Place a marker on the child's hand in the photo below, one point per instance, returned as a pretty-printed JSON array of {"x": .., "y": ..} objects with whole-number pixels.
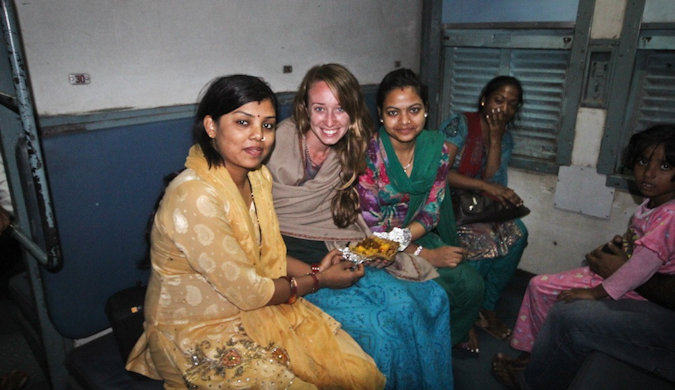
[{"x": 592, "y": 294}]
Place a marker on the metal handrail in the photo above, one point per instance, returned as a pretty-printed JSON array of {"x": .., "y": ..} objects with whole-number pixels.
[
  {"x": 9, "y": 101},
  {"x": 51, "y": 259},
  {"x": 27, "y": 243}
]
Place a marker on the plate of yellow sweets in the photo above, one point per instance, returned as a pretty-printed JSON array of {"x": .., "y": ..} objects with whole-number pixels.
[
  {"x": 379, "y": 246},
  {"x": 374, "y": 247}
]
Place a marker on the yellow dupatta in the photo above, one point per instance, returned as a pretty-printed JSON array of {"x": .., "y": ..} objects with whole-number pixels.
[{"x": 310, "y": 337}]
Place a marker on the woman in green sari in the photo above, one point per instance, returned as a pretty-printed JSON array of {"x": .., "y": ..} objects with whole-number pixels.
[{"x": 405, "y": 186}]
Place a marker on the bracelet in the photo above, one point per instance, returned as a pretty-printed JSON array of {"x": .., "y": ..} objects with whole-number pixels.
[
  {"x": 315, "y": 286},
  {"x": 315, "y": 268},
  {"x": 293, "y": 284},
  {"x": 418, "y": 250}
]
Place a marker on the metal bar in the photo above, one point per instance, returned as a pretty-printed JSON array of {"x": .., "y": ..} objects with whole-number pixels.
[
  {"x": 575, "y": 75},
  {"x": 510, "y": 25},
  {"x": 27, "y": 243},
  {"x": 616, "y": 134},
  {"x": 25, "y": 105},
  {"x": 9, "y": 101},
  {"x": 431, "y": 57}
]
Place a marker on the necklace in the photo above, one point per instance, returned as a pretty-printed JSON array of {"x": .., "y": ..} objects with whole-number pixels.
[
  {"x": 407, "y": 166},
  {"x": 309, "y": 156}
]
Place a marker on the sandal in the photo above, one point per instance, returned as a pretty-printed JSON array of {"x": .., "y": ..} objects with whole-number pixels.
[
  {"x": 505, "y": 372},
  {"x": 518, "y": 363},
  {"x": 14, "y": 380},
  {"x": 488, "y": 321}
]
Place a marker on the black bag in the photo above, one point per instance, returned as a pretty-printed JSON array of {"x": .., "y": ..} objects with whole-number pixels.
[
  {"x": 125, "y": 313},
  {"x": 471, "y": 206}
]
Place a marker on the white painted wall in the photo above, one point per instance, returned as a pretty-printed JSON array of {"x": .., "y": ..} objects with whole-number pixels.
[
  {"x": 559, "y": 239},
  {"x": 152, "y": 53}
]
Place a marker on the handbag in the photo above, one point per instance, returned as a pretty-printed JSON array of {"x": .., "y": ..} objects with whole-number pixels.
[
  {"x": 125, "y": 313},
  {"x": 471, "y": 206}
]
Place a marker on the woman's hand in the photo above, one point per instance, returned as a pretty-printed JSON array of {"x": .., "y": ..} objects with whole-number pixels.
[
  {"x": 445, "y": 256},
  {"x": 503, "y": 194},
  {"x": 341, "y": 275},
  {"x": 333, "y": 257},
  {"x": 379, "y": 263},
  {"x": 496, "y": 121}
]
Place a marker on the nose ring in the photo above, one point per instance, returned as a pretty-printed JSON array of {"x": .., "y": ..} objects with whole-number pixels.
[{"x": 262, "y": 139}]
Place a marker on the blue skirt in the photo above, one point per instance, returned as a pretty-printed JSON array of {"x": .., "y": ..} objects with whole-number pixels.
[{"x": 403, "y": 325}]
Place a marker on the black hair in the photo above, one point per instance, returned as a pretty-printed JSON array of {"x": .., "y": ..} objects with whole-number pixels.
[
  {"x": 663, "y": 134},
  {"x": 493, "y": 85},
  {"x": 222, "y": 96},
  {"x": 401, "y": 78}
]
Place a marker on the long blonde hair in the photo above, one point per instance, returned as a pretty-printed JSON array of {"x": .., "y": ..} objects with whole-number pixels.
[{"x": 351, "y": 149}]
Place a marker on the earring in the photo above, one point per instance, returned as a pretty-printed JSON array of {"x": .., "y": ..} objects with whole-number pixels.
[
  {"x": 426, "y": 115},
  {"x": 482, "y": 103},
  {"x": 381, "y": 120}
]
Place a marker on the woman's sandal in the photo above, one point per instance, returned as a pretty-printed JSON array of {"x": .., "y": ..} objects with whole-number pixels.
[
  {"x": 488, "y": 321},
  {"x": 14, "y": 380},
  {"x": 506, "y": 369}
]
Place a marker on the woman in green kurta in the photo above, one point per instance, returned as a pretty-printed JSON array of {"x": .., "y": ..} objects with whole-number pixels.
[{"x": 412, "y": 195}]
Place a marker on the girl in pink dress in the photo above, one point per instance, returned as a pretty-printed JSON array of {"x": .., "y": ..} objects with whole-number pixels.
[{"x": 649, "y": 244}]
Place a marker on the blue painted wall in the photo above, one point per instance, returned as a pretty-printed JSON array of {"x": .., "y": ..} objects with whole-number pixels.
[
  {"x": 104, "y": 185},
  {"x": 505, "y": 11}
]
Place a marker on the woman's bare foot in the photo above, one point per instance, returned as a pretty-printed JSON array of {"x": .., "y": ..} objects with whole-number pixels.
[
  {"x": 472, "y": 345},
  {"x": 488, "y": 321}
]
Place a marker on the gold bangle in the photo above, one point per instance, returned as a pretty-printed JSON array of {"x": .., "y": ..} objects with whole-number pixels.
[{"x": 293, "y": 284}]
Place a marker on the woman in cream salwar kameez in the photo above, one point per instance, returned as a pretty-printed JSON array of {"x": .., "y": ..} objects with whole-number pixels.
[{"x": 224, "y": 306}]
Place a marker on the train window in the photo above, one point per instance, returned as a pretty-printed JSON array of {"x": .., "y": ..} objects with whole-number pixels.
[
  {"x": 538, "y": 58},
  {"x": 650, "y": 99}
]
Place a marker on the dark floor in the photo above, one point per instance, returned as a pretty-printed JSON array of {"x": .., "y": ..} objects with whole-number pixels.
[
  {"x": 470, "y": 373},
  {"x": 474, "y": 373},
  {"x": 15, "y": 353}
]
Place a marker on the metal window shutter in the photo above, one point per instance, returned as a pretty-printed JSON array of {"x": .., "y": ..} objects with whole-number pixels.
[
  {"x": 656, "y": 98},
  {"x": 542, "y": 73},
  {"x": 469, "y": 70}
]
